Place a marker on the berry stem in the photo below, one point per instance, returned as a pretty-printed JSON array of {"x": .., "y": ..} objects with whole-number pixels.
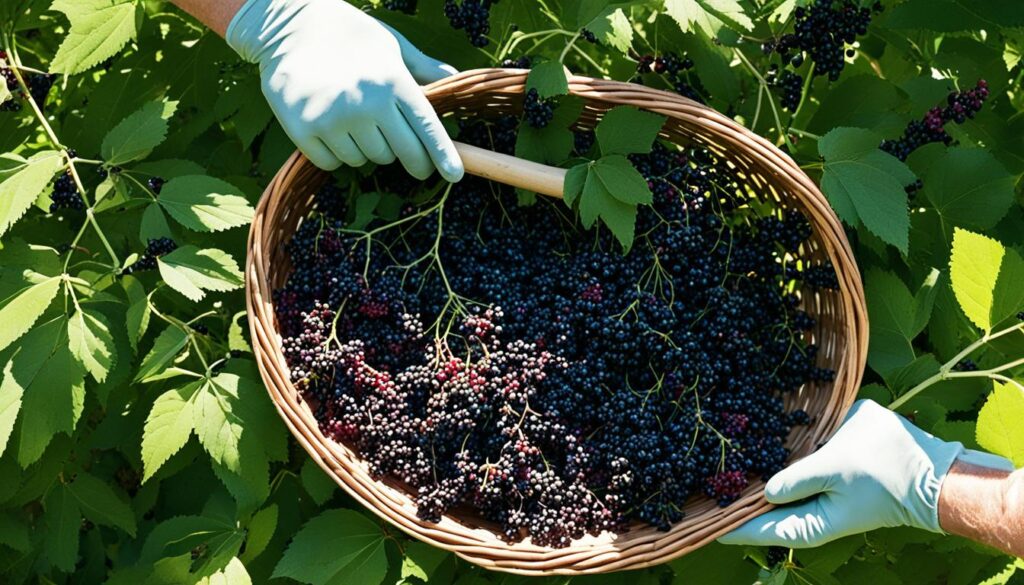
[
  {"x": 946, "y": 370},
  {"x": 12, "y": 53},
  {"x": 783, "y": 137}
]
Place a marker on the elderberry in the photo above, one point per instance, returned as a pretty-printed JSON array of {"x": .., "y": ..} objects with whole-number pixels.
[{"x": 65, "y": 193}]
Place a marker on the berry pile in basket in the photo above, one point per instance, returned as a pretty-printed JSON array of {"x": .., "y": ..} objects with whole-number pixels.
[{"x": 501, "y": 359}]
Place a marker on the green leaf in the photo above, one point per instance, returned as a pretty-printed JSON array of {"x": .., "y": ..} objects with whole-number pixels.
[
  {"x": 24, "y": 308},
  {"x": 999, "y": 422},
  {"x": 365, "y": 205},
  {"x": 969, "y": 188},
  {"x": 205, "y": 204},
  {"x": 168, "y": 427},
  {"x": 612, "y": 27},
  {"x": 317, "y": 484},
  {"x": 166, "y": 347},
  {"x": 575, "y": 179},
  {"x": 100, "y": 504},
  {"x": 91, "y": 342},
  {"x": 259, "y": 532},
  {"x": 708, "y": 16},
  {"x": 549, "y": 144},
  {"x": 52, "y": 404},
  {"x": 138, "y": 313},
  {"x": 986, "y": 278},
  {"x": 861, "y": 101},
  {"x": 21, "y": 370},
  {"x": 627, "y": 130},
  {"x": 190, "y": 271},
  {"x": 955, "y": 15},
  {"x": 154, "y": 224},
  {"x": 891, "y": 313},
  {"x": 13, "y": 533},
  {"x": 622, "y": 181},
  {"x": 866, "y": 185},
  {"x": 177, "y": 536},
  {"x": 19, "y": 191},
  {"x": 217, "y": 425},
  {"x": 5, "y": 94},
  {"x": 338, "y": 547},
  {"x": 597, "y": 202},
  {"x": 63, "y": 522},
  {"x": 138, "y": 134},
  {"x": 421, "y": 560},
  {"x": 548, "y": 78},
  {"x": 99, "y": 30},
  {"x": 232, "y": 574},
  {"x": 924, "y": 301}
]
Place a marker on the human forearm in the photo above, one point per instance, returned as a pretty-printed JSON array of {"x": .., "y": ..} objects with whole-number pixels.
[
  {"x": 216, "y": 14},
  {"x": 984, "y": 504}
]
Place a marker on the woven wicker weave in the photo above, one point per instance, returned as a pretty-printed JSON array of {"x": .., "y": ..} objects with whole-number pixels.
[{"x": 841, "y": 330}]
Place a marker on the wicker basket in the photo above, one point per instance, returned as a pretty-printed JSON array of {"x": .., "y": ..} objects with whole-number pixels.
[{"x": 841, "y": 330}]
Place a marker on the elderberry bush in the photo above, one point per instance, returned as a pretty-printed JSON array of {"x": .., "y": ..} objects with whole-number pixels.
[{"x": 501, "y": 359}]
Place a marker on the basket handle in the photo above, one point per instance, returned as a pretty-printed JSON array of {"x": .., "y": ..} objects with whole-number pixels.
[{"x": 513, "y": 171}]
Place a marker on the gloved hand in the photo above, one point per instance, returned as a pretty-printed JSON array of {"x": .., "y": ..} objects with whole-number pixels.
[
  {"x": 344, "y": 85},
  {"x": 878, "y": 471}
]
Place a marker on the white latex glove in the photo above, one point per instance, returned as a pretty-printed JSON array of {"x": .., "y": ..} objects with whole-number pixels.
[
  {"x": 345, "y": 86},
  {"x": 878, "y": 471}
]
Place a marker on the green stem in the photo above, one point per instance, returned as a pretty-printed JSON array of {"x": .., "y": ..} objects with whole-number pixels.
[
  {"x": 771, "y": 101},
  {"x": 946, "y": 370},
  {"x": 804, "y": 134}
]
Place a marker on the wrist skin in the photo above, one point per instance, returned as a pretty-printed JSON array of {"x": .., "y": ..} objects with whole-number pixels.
[
  {"x": 216, "y": 14},
  {"x": 985, "y": 505}
]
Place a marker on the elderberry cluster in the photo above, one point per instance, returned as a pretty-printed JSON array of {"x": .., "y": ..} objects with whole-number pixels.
[
  {"x": 822, "y": 32},
  {"x": 155, "y": 248},
  {"x": 536, "y": 111},
  {"x": 502, "y": 359},
  {"x": 65, "y": 193},
  {"x": 960, "y": 105},
  {"x": 472, "y": 16},
  {"x": 39, "y": 85},
  {"x": 674, "y": 68}
]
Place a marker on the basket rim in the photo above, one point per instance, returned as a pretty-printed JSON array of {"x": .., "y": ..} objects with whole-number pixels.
[{"x": 629, "y": 550}]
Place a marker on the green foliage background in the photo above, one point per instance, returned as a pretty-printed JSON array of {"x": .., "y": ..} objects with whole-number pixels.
[{"x": 135, "y": 449}]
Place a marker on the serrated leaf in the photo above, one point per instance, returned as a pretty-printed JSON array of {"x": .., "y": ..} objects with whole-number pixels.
[
  {"x": 550, "y": 144},
  {"x": 597, "y": 202},
  {"x": 708, "y": 16},
  {"x": 969, "y": 188},
  {"x": 217, "y": 425},
  {"x": 999, "y": 422},
  {"x": 259, "y": 532},
  {"x": 627, "y": 130},
  {"x": 19, "y": 191},
  {"x": 190, "y": 271},
  {"x": 63, "y": 522},
  {"x": 317, "y": 484},
  {"x": 548, "y": 78},
  {"x": 575, "y": 179},
  {"x": 986, "y": 278},
  {"x": 91, "y": 343},
  {"x": 612, "y": 27},
  {"x": 100, "y": 504},
  {"x": 955, "y": 15},
  {"x": 24, "y": 308},
  {"x": 338, "y": 547},
  {"x": 166, "y": 347},
  {"x": 168, "y": 427},
  {"x": 154, "y": 224},
  {"x": 52, "y": 404},
  {"x": 138, "y": 134},
  {"x": 21, "y": 370},
  {"x": 99, "y": 30},
  {"x": 176, "y": 536},
  {"x": 232, "y": 574},
  {"x": 13, "y": 533},
  {"x": 622, "y": 181},
  {"x": 891, "y": 314},
  {"x": 866, "y": 185},
  {"x": 205, "y": 204},
  {"x": 421, "y": 560},
  {"x": 137, "y": 316}
]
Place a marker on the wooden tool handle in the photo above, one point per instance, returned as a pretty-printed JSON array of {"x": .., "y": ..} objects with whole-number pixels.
[{"x": 511, "y": 170}]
